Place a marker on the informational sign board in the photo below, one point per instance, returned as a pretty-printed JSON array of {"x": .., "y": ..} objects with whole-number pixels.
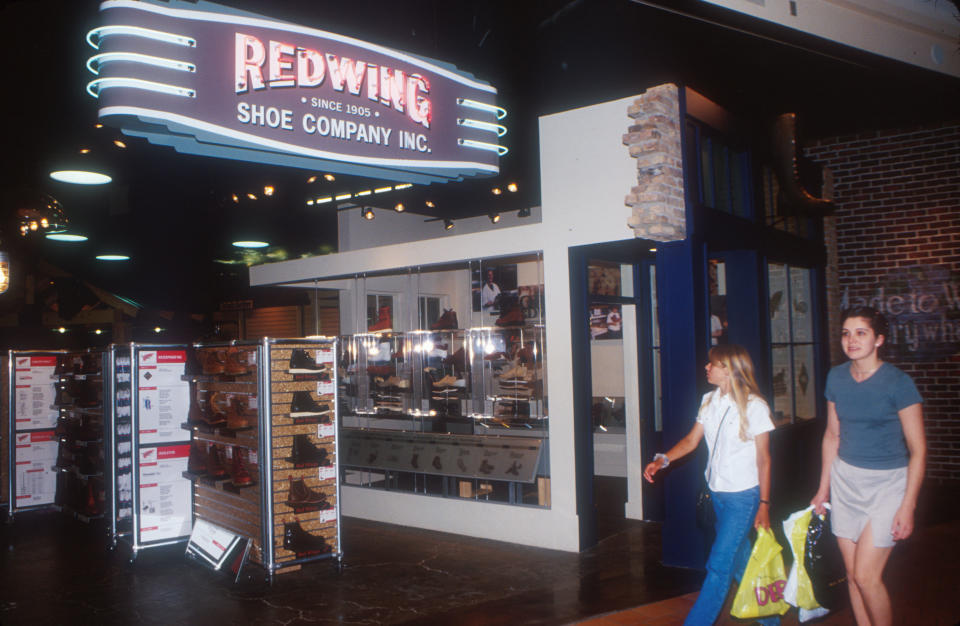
[
  {"x": 35, "y": 455},
  {"x": 35, "y": 392},
  {"x": 165, "y": 495},
  {"x": 212, "y": 80},
  {"x": 163, "y": 396},
  {"x": 215, "y": 546}
]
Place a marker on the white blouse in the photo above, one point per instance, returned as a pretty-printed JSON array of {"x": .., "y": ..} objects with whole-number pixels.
[{"x": 732, "y": 463}]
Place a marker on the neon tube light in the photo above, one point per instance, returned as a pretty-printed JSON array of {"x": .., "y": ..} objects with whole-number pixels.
[
  {"x": 96, "y": 86},
  {"x": 482, "y": 145},
  {"x": 134, "y": 57},
  {"x": 138, "y": 31},
  {"x": 483, "y": 106},
  {"x": 487, "y": 126}
]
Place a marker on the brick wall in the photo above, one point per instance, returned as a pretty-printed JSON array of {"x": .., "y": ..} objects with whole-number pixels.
[
  {"x": 898, "y": 199},
  {"x": 659, "y": 211}
]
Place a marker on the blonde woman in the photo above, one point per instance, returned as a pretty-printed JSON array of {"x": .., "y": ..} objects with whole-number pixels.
[{"x": 735, "y": 421}]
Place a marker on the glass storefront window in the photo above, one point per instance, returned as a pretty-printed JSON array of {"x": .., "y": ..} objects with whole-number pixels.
[{"x": 792, "y": 345}]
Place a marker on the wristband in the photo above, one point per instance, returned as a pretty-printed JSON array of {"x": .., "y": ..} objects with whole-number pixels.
[
  {"x": 767, "y": 502},
  {"x": 660, "y": 455}
]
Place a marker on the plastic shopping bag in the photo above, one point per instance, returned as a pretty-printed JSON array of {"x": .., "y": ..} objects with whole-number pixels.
[
  {"x": 799, "y": 590},
  {"x": 824, "y": 563},
  {"x": 761, "y": 589}
]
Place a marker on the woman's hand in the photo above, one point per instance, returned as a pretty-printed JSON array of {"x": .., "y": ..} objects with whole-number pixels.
[
  {"x": 763, "y": 516},
  {"x": 818, "y": 500},
  {"x": 902, "y": 523},
  {"x": 652, "y": 468}
]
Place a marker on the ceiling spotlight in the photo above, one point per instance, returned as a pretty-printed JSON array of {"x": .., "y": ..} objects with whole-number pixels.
[
  {"x": 235, "y": 198},
  {"x": 119, "y": 143},
  {"x": 430, "y": 204},
  {"x": 80, "y": 177},
  {"x": 251, "y": 196},
  {"x": 653, "y": 249},
  {"x": 310, "y": 202},
  {"x": 496, "y": 191},
  {"x": 312, "y": 179},
  {"x": 512, "y": 187},
  {"x": 494, "y": 218},
  {"x": 65, "y": 237},
  {"x": 368, "y": 214},
  {"x": 329, "y": 177},
  {"x": 524, "y": 212},
  {"x": 268, "y": 190},
  {"x": 98, "y": 125},
  {"x": 113, "y": 257},
  {"x": 399, "y": 208},
  {"x": 84, "y": 150},
  {"x": 447, "y": 224},
  {"x": 250, "y": 243}
]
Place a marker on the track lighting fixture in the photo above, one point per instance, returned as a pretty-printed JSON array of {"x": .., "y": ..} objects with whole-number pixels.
[
  {"x": 494, "y": 218},
  {"x": 447, "y": 224},
  {"x": 399, "y": 208},
  {"x": 368, "y": 214},
  {"x": 524, "y": 212}
]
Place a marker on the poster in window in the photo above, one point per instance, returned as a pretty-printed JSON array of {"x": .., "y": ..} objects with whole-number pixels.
[
  {"x": 494, "y": 288},
  {"x": 803, "y": 383},
  {"x": 604, "y": 280},
  {"x": 606, "y": 321},
  {"x": 800, "y": 314},
  {"x": 782, "y": 386},
  {"x": 779, "y": 303}
]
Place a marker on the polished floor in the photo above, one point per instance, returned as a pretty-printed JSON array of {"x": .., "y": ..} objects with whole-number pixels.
[{"x": 56, "y": 570}]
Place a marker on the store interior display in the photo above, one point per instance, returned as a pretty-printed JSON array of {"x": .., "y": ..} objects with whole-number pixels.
[
  {"x": 443, "y": 409},
  {"x": 80, "y": 434},
  {"x": 263, "y": 449}
]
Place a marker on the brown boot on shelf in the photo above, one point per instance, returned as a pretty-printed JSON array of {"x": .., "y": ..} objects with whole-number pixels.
[
  {"x": 195, "y": 414},
  {"x": 215, "y": 468},
  {"x": 511, "y": 317},
  {"x": 297, "y": 540},
  {"x": 240, "y": 417},
  {"x": 240, "y": 477},
  {"x": 447, "y": 321},
  {"x": 384, "y": 322},
  {"x": 302, "y": 495},
  {"x": 213, "y": 361},
  {"x": 197, "y": 463},
  {"x": 236, "y": 362}
]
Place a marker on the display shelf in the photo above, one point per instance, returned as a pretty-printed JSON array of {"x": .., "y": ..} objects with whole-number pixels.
[{"x": 292, "y": 385}]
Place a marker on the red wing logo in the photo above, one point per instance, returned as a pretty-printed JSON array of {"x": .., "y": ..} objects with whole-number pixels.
[{"x": 148, "y": 357}]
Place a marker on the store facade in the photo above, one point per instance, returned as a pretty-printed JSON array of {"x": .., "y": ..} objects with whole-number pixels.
[{"x": 623, "y": 234}]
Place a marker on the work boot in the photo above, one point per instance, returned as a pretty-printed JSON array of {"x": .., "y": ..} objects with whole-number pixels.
[
  {"x": 303, "y": 363},
  {"x": 197, "y": 463},
  {"x": 511, "y": 317},
  {"x": 303, "y": 405},
  {"x": 215, "y": 468},
  {"x": 214, "y": 361},
  {"x": 297, "y": 540},
  {"x": 447, "y": 321},
  {"x": 240, "y": 417},
  {"x": 302, "y": 495},
  {"x": 383, "y": 322},
  {"x": 304, "y": 452},
  {"x": 240, "y": 477},
  {"x": 237, "y": 362}
]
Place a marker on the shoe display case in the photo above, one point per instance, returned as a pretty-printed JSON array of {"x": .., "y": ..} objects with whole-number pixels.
[
  {"x": 146, "y": 446},
  {"x": 80, "y": 431},
  {"x": 447, "y": 411},
  {"x": 263, "y": 452},
  {"x": 32, "y": 417}
]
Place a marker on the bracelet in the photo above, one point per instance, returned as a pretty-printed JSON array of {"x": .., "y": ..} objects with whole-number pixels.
[
  {"x": 767, "y": 502},
  {"x": 660, "y": 455}
]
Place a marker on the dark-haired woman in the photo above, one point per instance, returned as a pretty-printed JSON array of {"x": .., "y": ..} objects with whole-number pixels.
[
  {"x": 874, "y": 454},
  {"x": 735, "y": 421}
]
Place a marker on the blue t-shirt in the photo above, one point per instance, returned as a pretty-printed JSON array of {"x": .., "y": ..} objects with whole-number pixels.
[{"x": 870, "y": 432}]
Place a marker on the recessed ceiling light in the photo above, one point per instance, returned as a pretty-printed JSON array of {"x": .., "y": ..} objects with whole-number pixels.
[
  {"x": 268, "y": 190},
  {"x": 113, "y": 257},
  {"x": 496, "y": 191},
  {"x": 312, "y": 179},
  {"x": 80, "y": 177},
  {"x": 512, "y": 187},
  {"x": 430, "y": 203},
  {"x": 250, "y": 244},
  {"x": 329, "y": 177},
  {"x": 251, "y": 196},
  {"x": 235, "y": 198},
  {"x": 66, "y": 237},
  {"x": 399, "y": 208},
  {"x": 119, "y": 143}
]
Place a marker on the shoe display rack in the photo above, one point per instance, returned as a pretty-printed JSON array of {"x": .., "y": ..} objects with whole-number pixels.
[
  {"x": 147, "y": 449},
  {"x": 80, "y": 434},
  {"x": 30, "y": 434},
  {"x": 263, "y": 455},
  {"x": 466, "y": 405}
]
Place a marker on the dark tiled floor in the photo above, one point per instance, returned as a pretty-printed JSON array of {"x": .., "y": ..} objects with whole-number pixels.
[{"x": 55, "y": 570}]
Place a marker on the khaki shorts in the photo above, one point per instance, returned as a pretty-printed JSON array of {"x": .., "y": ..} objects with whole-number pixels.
[{"x": 860, "y": 496}]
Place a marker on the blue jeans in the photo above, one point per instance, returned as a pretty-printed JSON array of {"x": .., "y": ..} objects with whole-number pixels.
[{"x": 729, "y": 554}]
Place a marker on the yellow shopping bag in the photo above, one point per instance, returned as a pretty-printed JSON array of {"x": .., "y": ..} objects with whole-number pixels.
[{"x": 761, "y": 589}]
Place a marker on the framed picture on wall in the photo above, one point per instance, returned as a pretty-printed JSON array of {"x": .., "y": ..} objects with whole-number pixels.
[{"x": 494, "y": 286}]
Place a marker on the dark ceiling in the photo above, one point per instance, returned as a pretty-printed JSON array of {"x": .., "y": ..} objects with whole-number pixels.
[{"x": 174, "y": 215}]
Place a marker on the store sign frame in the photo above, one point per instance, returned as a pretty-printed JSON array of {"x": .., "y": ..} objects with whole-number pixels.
[{"x": 211, "y": 80}]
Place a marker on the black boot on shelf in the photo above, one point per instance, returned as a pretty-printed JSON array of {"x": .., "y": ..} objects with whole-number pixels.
[
  {"x": 297, "y": 540},
  {"x": 303, "y": 363},
  {"x": 303, "y": 405},
  {"x": 305, "y": 453}
]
